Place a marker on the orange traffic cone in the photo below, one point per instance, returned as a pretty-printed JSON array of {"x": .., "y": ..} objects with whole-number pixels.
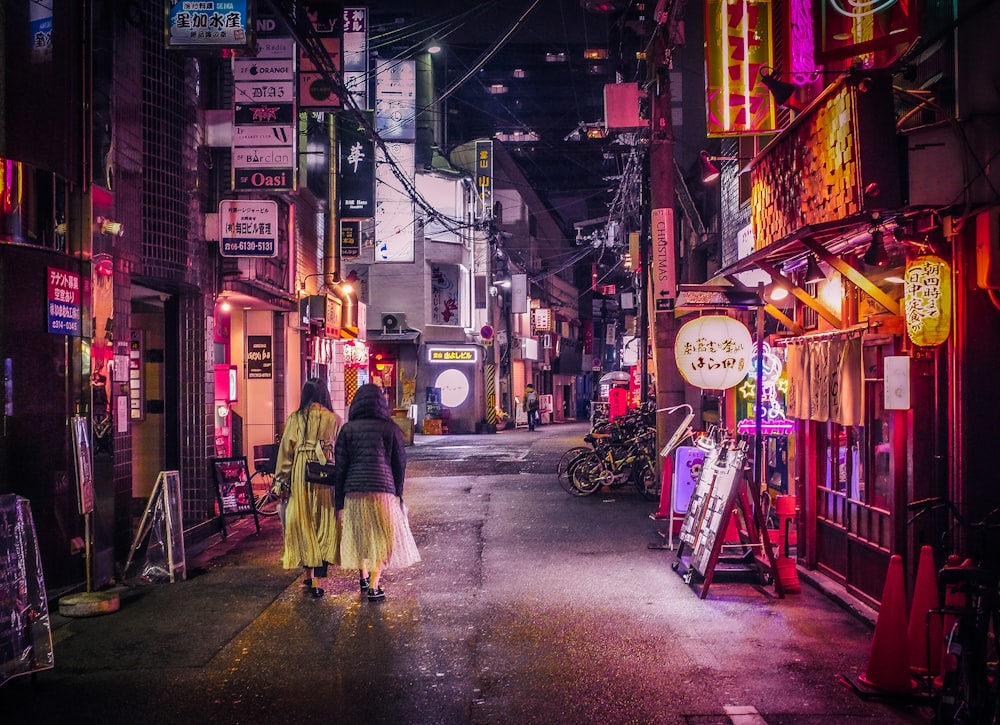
[
  {"x": 924, "y": 632},
  {"x": 889, "y": 660}
]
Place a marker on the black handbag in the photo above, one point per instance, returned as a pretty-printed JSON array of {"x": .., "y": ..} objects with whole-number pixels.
[{"x": 323, "y": 473}]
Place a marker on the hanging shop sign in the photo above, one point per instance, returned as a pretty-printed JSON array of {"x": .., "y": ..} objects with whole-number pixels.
[
  {"x": 355, "y": 54},
  {"x": 248, "y": 228},
  {"x": 350, "y": 239},
  {"x": 542, "y": 320},
  {"x": 264, "y": 117},
  {"x": 484, "y": 177},
  {"x": 63, "y": 301},
  {"x": 714, "y": 352},
  {"x": 315, "y": 88},
  {"x": 355, "y": 169},
  {"x": 259, "y": 357},
  {"x": 395, "y": 100},
  {"x": 927, "y": 300},
  {"x": 208, "y": 24},
  {"x": 738, "y": 45}
]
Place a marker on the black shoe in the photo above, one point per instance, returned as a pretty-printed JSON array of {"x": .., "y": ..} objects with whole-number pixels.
[
  {"x": 363, "y": 582},
  {"x": 316, "y": 592},
  {"x": 376, "y": 595},
  {"x": 307, "y": 582}
]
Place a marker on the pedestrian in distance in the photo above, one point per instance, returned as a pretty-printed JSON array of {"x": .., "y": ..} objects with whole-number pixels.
[
  {"x": 531, "y": 405},
  {"x": 371, "y": 466},
  {"x": 311, "y": 530}
]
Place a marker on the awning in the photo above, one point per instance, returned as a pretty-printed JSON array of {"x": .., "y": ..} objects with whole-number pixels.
[
  {"x": 826, "y": 243},
  {"x": 616, "y": 376}
]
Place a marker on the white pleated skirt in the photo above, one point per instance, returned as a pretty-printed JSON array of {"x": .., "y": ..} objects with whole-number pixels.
[{"x": 376, "y": 530}]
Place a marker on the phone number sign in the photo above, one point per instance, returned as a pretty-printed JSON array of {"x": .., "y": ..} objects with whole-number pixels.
[
  {"x": 248, "y": 228},
  {"x": 64, "y": 301}
]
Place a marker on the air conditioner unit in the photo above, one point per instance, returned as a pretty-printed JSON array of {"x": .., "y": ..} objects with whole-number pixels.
[{"x": 394, "y": 322}]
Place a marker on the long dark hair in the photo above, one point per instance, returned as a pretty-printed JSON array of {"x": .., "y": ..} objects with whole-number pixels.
[{"x": 314, "y": 391}]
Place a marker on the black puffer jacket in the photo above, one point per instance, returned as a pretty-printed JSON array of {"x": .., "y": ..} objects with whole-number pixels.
[{"x": 369, "y": 451}]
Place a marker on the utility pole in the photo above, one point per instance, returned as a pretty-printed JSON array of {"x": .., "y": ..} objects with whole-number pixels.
[{"x": 662, "y": 289}]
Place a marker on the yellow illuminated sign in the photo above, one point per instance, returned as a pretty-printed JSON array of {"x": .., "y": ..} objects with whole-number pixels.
[{"x": 452, "y": 355}]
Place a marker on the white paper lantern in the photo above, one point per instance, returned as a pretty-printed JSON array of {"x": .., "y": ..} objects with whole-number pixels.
[{"x": 714, "y": 352}]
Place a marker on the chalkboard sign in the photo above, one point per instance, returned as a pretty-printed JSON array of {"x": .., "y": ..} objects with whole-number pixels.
[
  {"x": 25, "y": 631},
  {"x": 232, "y": 486}
]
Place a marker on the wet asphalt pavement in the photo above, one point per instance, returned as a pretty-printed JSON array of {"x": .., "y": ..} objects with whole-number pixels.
[{"x": 530, "y": 606}]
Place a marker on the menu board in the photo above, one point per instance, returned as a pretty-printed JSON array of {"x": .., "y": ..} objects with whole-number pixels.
[
  {"x": 25, "y": 631},
  {"x": 233, "y": 489},
  {"x": 232, "y": 478}
]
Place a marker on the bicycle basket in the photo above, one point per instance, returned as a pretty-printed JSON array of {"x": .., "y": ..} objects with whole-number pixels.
[{"x": 265, "y": 457}]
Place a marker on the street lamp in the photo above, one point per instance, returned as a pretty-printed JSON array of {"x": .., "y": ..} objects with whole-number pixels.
[{"x": 710, "y": 172}]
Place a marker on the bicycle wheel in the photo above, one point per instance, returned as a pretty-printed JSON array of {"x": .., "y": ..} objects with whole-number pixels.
[
  {"x": 965, "y": 697},
  {"x": 587, "y": 473},
  {"x": 568, "y": 460},
  {"x": 264, "y": 500},
  {"x": 645, "y": 481}
]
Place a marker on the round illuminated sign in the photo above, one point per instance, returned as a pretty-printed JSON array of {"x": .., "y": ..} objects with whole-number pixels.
[
  {"x": 454, "y": 387},
  {"x": 714, "y": 352}
]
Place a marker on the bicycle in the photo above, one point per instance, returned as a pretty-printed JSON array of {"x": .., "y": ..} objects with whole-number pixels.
[
  {"x": 970, "y": 682},
  {"x": 265, "y": 500},
  {"x": 562, "y": 469}
]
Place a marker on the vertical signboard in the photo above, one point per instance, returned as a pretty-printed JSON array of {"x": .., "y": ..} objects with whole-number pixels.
[
  {"x": 664, "y": 272},
  {"x": 350, "y": 239},
  {"x": 136, "y": 389},
  {"x": 63, "y": 302},
  {"x": 264, "y": 118},
  {"x": 315, "y": 88},
  {"x": 737, "y": 47},
  {"x": 484, "y": 177},
  {"x": 393, "y": 205},
  {"x": 395, "y": 100},
  {"x": 518, "y": 293},
  {"x": 41, "y": 32},
  {"x": 355, "y": 54},
  {"x": 355, "y": 169}
]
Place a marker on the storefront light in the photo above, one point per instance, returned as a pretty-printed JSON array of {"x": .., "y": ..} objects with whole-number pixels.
[
  {"x": 714, "y": 352},
  {"x": 927, "y": 300}
]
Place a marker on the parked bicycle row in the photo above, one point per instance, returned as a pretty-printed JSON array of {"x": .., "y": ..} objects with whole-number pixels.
[{"x": 618, "y": 452}]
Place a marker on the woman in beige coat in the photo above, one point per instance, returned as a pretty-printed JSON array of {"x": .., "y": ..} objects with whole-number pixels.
[{"x": 310, "y": 524}]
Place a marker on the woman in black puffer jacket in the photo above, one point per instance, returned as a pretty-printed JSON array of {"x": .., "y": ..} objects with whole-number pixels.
[{"x": 371, "y": 464}]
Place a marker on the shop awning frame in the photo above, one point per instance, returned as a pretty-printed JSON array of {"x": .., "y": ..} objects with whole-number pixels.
[{"x": 826, "y": 243}]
